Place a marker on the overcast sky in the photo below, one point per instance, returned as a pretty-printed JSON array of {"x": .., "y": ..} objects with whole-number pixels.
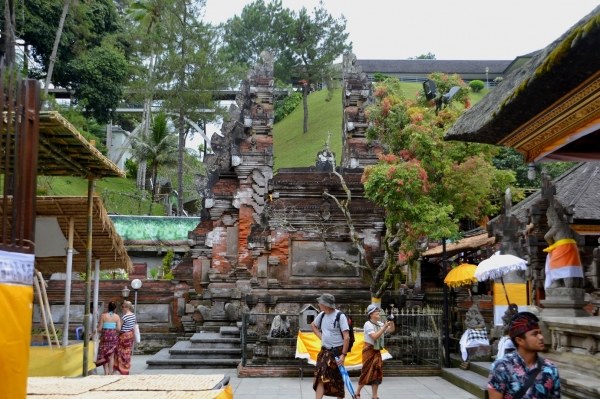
[{"x": 451, "y": 29}]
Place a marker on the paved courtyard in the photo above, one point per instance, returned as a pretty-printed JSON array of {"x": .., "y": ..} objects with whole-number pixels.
[{"x": 294, "y": 388}]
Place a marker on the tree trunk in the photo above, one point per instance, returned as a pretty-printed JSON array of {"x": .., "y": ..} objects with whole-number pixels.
[
  {"x": 305, "y": 103},
  {"x": 9, "y": 32},
  {"x": 180, "y": 163},
  {"x": 154, "y": 174},
  {"x": 146, "y": 120},
  {"x": 55, "y": 48}
]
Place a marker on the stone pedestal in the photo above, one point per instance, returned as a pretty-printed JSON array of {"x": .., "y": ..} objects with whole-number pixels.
[
  {"x": 479, "y": 354},
  {"x": 564, "y": 302}
]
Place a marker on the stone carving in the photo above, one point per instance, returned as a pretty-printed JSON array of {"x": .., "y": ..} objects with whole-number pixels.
[
  {"x": 280, "y": 327},
  {"x": 473, "y": 318},
  {"x": 560, "y": 230},
  {"x": 508, "y": 315},
  {"x": 233, "y": 312}
]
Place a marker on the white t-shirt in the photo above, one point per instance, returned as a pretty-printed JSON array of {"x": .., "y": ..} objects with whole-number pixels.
[
  {"x": 369, "y": 329},
  {"x": 331, "y": 336}
]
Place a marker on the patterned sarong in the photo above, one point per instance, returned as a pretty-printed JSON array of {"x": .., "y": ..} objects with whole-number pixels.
[
  {"x": 372, "y": 369},
  {"x": 109, "y": 341},
  {"x": 123, "y": 358},
  {"x": 328, "y": 373},
  {"x": 563, "y": 261}
]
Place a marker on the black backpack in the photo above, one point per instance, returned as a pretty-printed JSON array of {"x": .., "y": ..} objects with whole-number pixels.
[{"x": 350, "y": 327}]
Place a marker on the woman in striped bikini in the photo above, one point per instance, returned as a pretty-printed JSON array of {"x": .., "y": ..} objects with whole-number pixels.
[
  {"x": 126, "y": 339},
  {"x": 109, "y": 339}
]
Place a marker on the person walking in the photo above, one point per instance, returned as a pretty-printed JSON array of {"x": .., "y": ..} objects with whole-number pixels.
[
  {"x": 524, "y": 374},
  {"x": 109, "y": 340},
  {"x": 372, "y": 363},
  {"x": 126, "y": 339},
  {"x": 334, "y": 336}
]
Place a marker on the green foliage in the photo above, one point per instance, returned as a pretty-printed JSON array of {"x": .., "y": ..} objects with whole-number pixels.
[
  {"x": 89, "y": 25},
  {"x": 167, "y": 262},
  {"x": 131, "y": 168},
  {"x": 154, "y": 274},
  {"x": 100, "y": 75},
  {"x": 428, "y": 56},
  {"x": 285, "y": 106},
  {"x": 476, "y": 85},
  {"x": 380, "y": 77},
  {"x": 427, "y": 184},
  {"x": 510, "y": 159},
  {"x": 168, "y": 276}
]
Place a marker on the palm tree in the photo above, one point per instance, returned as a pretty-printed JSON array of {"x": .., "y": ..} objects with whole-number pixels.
[
  {"x": 55, "y": 48},
  {"x": 157, "y": 149},
  {"x": 147, "y": 14}
]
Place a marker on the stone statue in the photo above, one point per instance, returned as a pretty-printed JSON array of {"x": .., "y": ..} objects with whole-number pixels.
[
  {"x": 474, "y": 319},
  {"x": 280, "y": 327},
  {"x": 563, "y": 268},
  {"x": 508, "y": 315}
]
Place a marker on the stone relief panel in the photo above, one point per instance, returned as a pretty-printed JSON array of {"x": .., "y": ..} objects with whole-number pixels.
[{"x": 310, "y": 259}]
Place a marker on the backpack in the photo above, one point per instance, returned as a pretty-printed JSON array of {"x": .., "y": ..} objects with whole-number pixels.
[{"x": 350, "y": 327}]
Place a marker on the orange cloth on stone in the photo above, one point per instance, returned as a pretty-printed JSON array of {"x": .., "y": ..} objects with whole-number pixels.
[{"x": 563, "y": 253}]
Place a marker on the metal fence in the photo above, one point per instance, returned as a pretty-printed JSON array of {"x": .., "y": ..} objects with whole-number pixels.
[{"x": 415, "y": 342}]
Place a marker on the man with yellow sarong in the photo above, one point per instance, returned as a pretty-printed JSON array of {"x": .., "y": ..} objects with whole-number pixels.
[{"x": 563, "y": 264}]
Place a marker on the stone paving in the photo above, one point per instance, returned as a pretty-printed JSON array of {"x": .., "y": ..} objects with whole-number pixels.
[{"x": 294, "y": 388}]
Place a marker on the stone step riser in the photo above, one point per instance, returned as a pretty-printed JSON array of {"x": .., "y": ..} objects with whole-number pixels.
[
  {"x": 215, "y": 346},
  {"x": 215, "y": 356},
  {"x": 479, "y": 369},
  {"x": 465, "y": 380},
  {"x": 201, "y": 353}
]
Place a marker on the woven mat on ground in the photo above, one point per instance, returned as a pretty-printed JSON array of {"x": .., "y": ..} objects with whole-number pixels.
[
  {"x": 169, "y": 382},
  {"x": 67, "y": 386},
  {"x": 217, "y": 394}
]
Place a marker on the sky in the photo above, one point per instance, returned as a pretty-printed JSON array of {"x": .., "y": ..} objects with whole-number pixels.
[{"x": 451, "y": 29}]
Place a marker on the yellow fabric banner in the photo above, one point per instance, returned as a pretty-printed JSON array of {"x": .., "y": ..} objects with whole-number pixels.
[
  {"x": 16, "y": 308},
  {"x": 517, "y": 294},
  {"x": 226, "y": 393},
  {"x": 308, "y": 347},
  {"x": 64, "y": 361}
]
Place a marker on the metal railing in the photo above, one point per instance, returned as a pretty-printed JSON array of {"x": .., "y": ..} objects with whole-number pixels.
[{"x": 416, "y": 342}]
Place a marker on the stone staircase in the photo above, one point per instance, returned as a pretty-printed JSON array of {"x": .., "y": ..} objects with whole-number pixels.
[
  {"x": 202, "y": 350},
  {"x": 473, "y": 380}
]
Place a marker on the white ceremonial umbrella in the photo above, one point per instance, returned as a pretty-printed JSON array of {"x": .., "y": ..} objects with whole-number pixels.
[{"x": 497, "y": 266}]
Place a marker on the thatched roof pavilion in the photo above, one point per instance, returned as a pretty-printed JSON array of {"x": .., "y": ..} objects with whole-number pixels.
[
  {"x": 549, "y": 109},
  {"x": 107, "y": 245}
]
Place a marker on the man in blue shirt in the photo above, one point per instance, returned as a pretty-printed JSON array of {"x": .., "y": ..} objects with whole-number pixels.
[{"x": 523, "y": 374}]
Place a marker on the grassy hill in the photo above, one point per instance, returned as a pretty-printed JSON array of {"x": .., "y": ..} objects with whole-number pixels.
[{"x": 293, "y": 148}]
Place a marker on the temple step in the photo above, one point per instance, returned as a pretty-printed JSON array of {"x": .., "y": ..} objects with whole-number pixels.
[
  {"x": 163, "y": 360},
  {"x": 185, "y": 350},
  {"x": 468, "y": 380},
  {"x": 481, "y": 368}
]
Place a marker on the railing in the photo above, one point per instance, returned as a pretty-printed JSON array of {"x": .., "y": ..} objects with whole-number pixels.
[
  {"x": 416, "y": 342},
  {"x": 19, "y": 129}
]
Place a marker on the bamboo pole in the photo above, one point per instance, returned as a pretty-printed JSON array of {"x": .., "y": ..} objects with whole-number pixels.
[
  {"x": 42, "y": 311},
  {"x": 68, "y": 283},
  {"x": 47, "y": 305}
]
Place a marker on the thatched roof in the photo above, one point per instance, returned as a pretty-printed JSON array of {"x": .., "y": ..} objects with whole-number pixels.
[
  {"x": 464, "y": 245},
  {"x": 63, "y": 151},
  {"x": 107, "y": 245},
  {"x": 528, "y": 91}
]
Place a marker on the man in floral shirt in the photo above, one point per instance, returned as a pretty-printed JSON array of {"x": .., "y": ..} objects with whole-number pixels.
[{"x": 509, "y": 374}]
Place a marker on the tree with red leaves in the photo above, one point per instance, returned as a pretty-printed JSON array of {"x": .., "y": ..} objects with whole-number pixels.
[{"x": 427, "y": 184}]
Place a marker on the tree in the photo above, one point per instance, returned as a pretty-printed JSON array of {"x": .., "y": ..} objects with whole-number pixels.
[
  {"x": 315, "y": 42},
  {"x": 192, "y": 64},
  {"x": 158, "y": 149},
  {"x": 510, "y": 159},
  {"x": 55, "y": 47},
  {"x": 428, "y": 56},
  {"x": 427, "y": 185},
  {"x": 86, "y": 26},
  {"x": 259, "y": 27}
]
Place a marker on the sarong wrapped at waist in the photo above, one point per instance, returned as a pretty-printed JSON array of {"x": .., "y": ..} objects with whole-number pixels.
[
  {"x": 328, "y": 373},
  {"x": 123, "y": 358},
  {"x": 109, "y": 341},
  {"x": 372, "y": 366},
  {"x": 563, "y": 261}
]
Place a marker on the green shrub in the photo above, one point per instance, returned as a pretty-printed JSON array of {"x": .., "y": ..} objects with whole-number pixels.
[
  {"x": 476, "y": 85},
  {"x": 131, "y": 168},
  {"x": 154, "y": 273},
  {"x": 167, "y": 261},
  {"x": 285, "y": 106}
]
